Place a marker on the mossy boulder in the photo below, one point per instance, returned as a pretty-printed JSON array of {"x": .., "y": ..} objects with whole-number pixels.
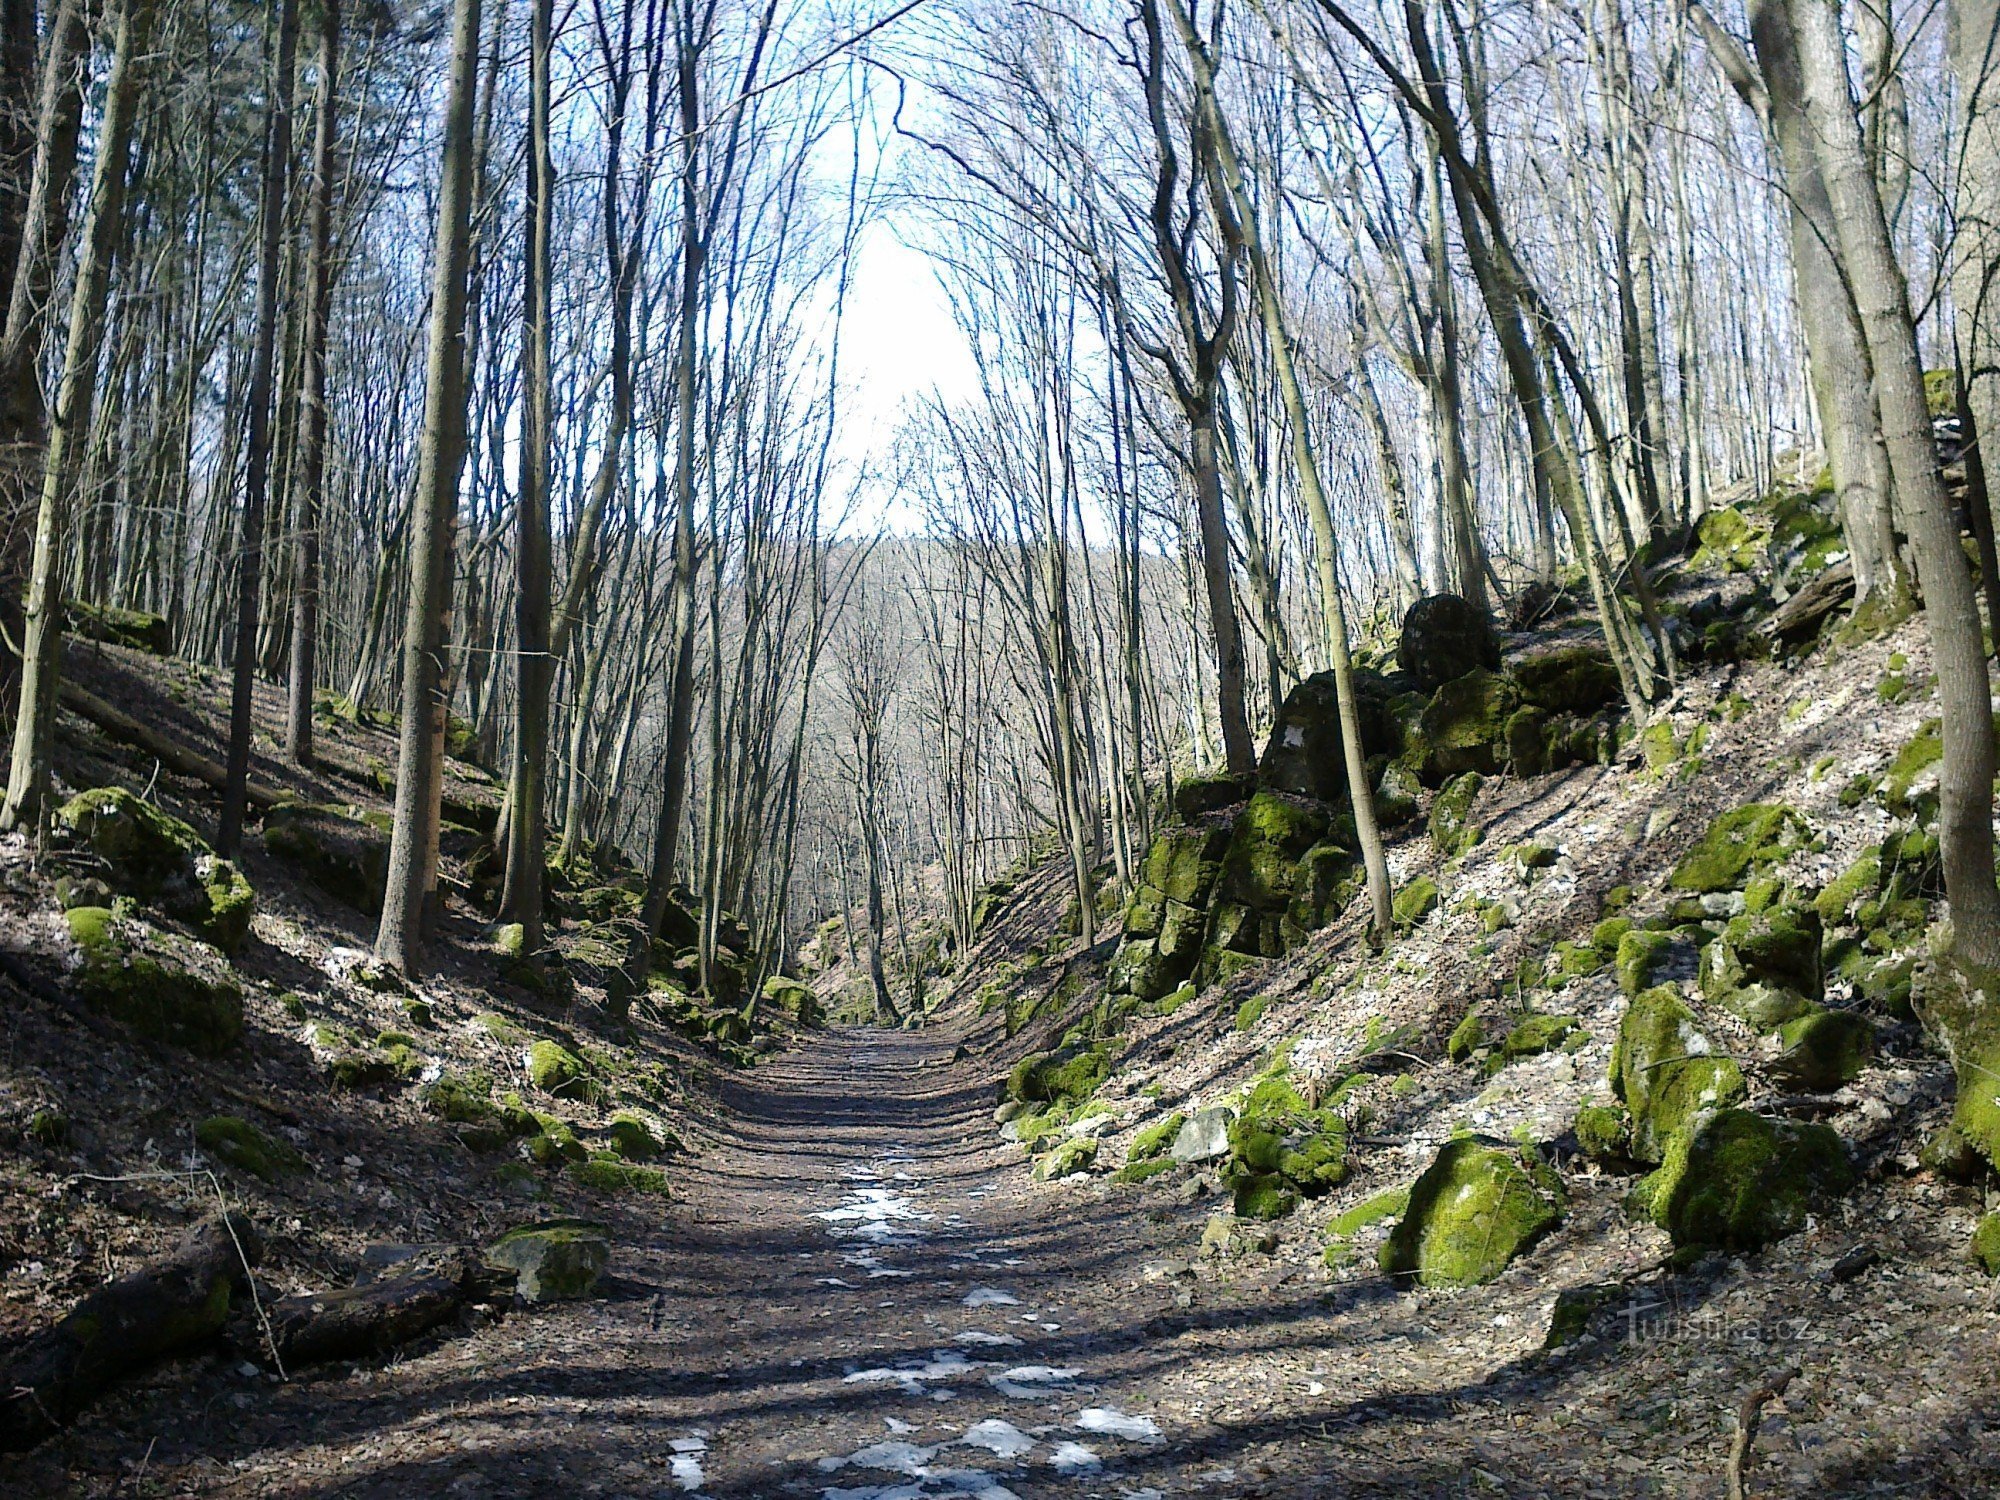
[
  {"x": 1533, "y": 1035},
  {"x": 1985, "y": 1246},
  {"x": 1475, "y": 1208},
  {"x": 238, "y": 1143},
  {"x": 554, "y": 1069},
  {"x": 352, "y": 1063},
  {"x": 1182, "y": 863},
  {"x": 1666, "y": 1071},
  {"x": 1264, "y": 1197},
  {"x": 1738, "y": 844},
  {"x": 794, "y": 999},
  {"x": 1824, "y": 1049},
  {"x": 1647, "y": 958},
  {"x": 1567, "y": 680},
  {"x": 1282, "y": 1147},
  {"x": 1260, "y": 867},
  {"x": 1764, "y": 1007},
  {"x": 634, "y": 1138},
  {"x": 134, "y": 629},
  {"x": 1058, "y": 1078},
  {"x": 611, "y": 1176},
  {"x": 1451, "y": 828},
  {"x": 157, "y": 859},
  {"x": 1739, "y": 1181},
  {"x": 1443, "y": 638},
  {"x": 1603, "y": 1132},
  {"x": 1197, "y": 796},
  {"x": 158, "y": 983},
  {"x": 1414, "y": 902},
  {"x": 1066, "y": 1160},
  {"x": 1466, "y": 1038},
  {"x": 1728, "y": 540},
  {"x": 342, "y": 854},
  {"x": 1779, "y": 946},
  {"x": 1861, "y": 879},
  {"x": 555, "y": 1260},
  {"x": 1464, "y": 727},
  {"x": 1154, "y": 1141},
  {"x": 1306, "y": 755}
]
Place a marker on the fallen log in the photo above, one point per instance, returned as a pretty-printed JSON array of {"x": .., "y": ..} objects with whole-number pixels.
[
  {"x": 373, "y": 1318},
  {"x": 170, "y": 753},
  {"x": 173, "y": 1304},
  {"x": 1801, "y": 616}
]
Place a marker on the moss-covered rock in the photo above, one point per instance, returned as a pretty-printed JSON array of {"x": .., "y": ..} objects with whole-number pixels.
[
  {"x": 1263, "y": 1196},
  {"x": 1464, "y": 727},
  {"x": 554, "y": 1069},
  {"x": 1533, "y": 1035},
  {"x": 1182, "y": 863},
  {"x": 556, "y": 1260},
  {"x": 1666, "y": 1071},
  {"x": 157, "y": 859},
  {"x": 1740, "y": 842},
  {"x": 1738, "y": 1181},
  {"x": 1451, "y": 828},
  {"x": 1078, "y": 1154},
  {"x": 1568, "y": 680},
  {"x": 238, "y": 1143},
  {"x": 1860, "y": 879},
  {"x": 1443, "y": 638},
  {"x": 1729, "y": 541},
  {"x": 1825, "y": 1049},
  {"x": 1197, "y": 796},
  {"x": 460, "y": 1099},
  {"x": 795, "y": 999},
  {"x": 134, "y": 629},
  {"x": 1260, "y": 867},
  {"x": 612, "y": 1177},
  {"x": 1306, "y": 755},
  {"x": 1466, "y": 1038},
  {"x": 1912, "y": 765},
  {"x": 1474, "y": 1209},
  {"x": 1985, "y": 1247},
  {"x": 1155, "y": 1140},
  {"x": 1604, "y": 1132},
  {"x": 340, "y": 853},
  {"x": 633, "y": 1137},
  {"x": 1779, "y": 947},
  {"x": 1647, "y": 958},
  {"x": 1059, "y": 1078},
  {"x": 1414, "y": 902},
  {"x": 158, "y": 983},
  {"x": 1764, "y": 1007}
]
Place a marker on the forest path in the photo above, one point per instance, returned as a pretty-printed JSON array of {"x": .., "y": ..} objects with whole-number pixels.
[{"x": 858, "y": 1296}]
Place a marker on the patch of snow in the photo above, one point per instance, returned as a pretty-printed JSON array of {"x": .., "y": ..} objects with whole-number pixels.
[
  {"x": 989, "y": 1340},
  {"x": 1001, "y": 1439},
  {"x": 1073, "y": 1458},
  {"x": 1111, "y": 1422},
  {"x": 989, "y": 1296}
]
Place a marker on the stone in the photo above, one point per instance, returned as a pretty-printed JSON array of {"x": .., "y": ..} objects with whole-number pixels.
[
  {"x": 1824, "y": 1050},
  {"x": 1464, "y": 727},
  {"x": 1647, "y": 958},
  {"x": 1603, "y": 1132},
  {"x": 1574, "y": 1308},
  {"x": 1738, "y": 844},
  {"x": 1451, "y": 828},
  {"x": 1414, "y": 902},
  {"x": 1739, "y": 1181},
  {"x": 555, "y": 1260},
  {"x": 1204, "y": 1136},
  {"x": 1568, "y": 680},
  {"x": 1985, "y": 1247},
  {"x": 1764, "y": 1007},
  {"x": 1475, "y": 1208},
  {"x": 1067, "y": 1159},
  {"x": 634, "y": 1138},
  {"x": 345, "y": 856},
  {"x": 1196, "y": 796},
  {"x": 1443, "y": 638},
  {"x": 1466, "y": 1038},
  {"x": 613, "y": 1177},
  {"x": 1665, "y": 1070},
  {"x": 134, "y": 629},
  {"x": 1779, "y": 946},
  {"x": 554, "y": 1069},
  {"x": 156, "y": 858},
  {"x": 795, "y": 999},
  {"x": 238, "y": 1143},
  {"x": 1305, "y": 755},
  {"x": 158, "y": 983},
  {"x": 1534, "y": 1035}
]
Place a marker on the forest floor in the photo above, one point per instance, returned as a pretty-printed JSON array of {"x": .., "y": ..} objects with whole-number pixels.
[{"x": 860, "y": 1295}]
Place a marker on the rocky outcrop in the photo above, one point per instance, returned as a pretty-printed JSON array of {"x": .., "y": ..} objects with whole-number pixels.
[
  {"x": 1444, "y": 638},
  {"x": 158, "y": 983},
  {"x": 343, "y": 854},
  {"x": 161, "y": 862},
  {"x": 1475, "y": 1208}
]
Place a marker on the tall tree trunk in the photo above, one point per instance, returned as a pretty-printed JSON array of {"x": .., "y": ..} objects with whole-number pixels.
[
  {"x": 257, "y": 464},
  {"x": 310, "y": 468},
  {"x": 440, "y": 456},
  {"x": 69, "y": 425},
  {"x": 521, "y": 894},
  {"x": 1975, "y": 58}
]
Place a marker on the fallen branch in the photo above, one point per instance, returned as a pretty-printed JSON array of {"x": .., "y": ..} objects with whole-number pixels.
[
  {"x": 313, "y": 1327},
  {"x": 1749, "y": 1417},
  {"x": 170, "y": 1305},
  {"x": 170, "y": 753}
]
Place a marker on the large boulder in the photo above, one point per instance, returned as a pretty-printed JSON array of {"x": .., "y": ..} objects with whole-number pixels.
[
  {"x": 1261, "y": 874},
  {"x": 345, "y": 855},
  {"x": 159, "y": 860},
  {"x": 1165, "y": 922},
  {"x": 136, "y": 629},
  {"x": 1465, "y": 727},
  {"x": 1779, "y": 947},
  {"x": 1737, "y": 1181},
  {"x": 1738, "y": 844},
  {"x": 158, "y": 983},
  {"x": 556, "y": 1260},
  {"x": 1203, "y": 1136},
  {"x": 1667, "y": 1072},
  {"x": 1477, "y": 1206},
  {"x": 1304, "y": 755},
  {"x": 1568, "y": 680},
  {"x": 1444, "y": 637}
]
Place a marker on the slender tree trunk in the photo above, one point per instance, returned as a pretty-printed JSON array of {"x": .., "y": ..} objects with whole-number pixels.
[
  {"x": 521, "y": 895},
  {"x": 441, "y": 455},
  {"x": 310, "y": 467},
  {"x": 257, "y": 467},
  {"x": 69, "y": 426},
  {"x": 1975, "y": 58}
]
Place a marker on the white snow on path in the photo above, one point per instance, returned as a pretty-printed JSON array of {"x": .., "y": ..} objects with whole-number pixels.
[
  {"x": 1001, "y": 1439},
  {"x": 990, "y": 1296},
  {"x": 1111, "y": 1422},
  {"x": 686, "y": 1463}
]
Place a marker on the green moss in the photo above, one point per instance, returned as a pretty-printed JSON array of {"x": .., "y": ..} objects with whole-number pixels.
[
  {"x": 240, "y": 1144},
  {"x": 1739, "y": 1181},
  {"x": 1466, "y": 1038},
  {"x": 1472, "y": 1211},
  {"x": 1451, "y": 829},
  {"x": 1825, "y": 1049},
  {"x": 1738, "y": 843},
  {"x": 158, "y": 983},
  {"x": 333, "y": 848},
  {"x": 1763, "y": 1007},
  {"x": 1263, "y": 1197},
  {"x": 1067, "y": 1159},
  {"x": 1603, "y": 1131},
  {"x": 634, "y": 1138},
  {"x": 1779, "y": 946},
  {"x": 1415, "y": 901},
  {"x": 1173, "y": 1000},
  {"x": 460, "y": 1098},
  {"x": 1658, "y": 745},
  {"x": 1143, "y": 1171},
  {"x": 554, "y": 1069},
  {"x": 1985, "y": 1247},
  {"x": 610, "y": 1177},
  {"x": 1606, "y": 935},
  {"x": 1155, "y": 1140},
  {"x": 1643, "y": 956},
  {"x": 1464, "y": 726},
  {"x": 1251, "y": 1011},
  {"x": 1665, "y": 1071},
  {"x": 1533, "y": 1036},
  {"x": 1728, "y": 541},
  {"x": 554, "y": 1260},
  {"x": 1923, "y": 751},
  {"x": 1569, "y": 679},
  {"x": 156, "y": 858},
  {"x": 555, "y": 1140},
  {"x": 1384, "y": 1205}
]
